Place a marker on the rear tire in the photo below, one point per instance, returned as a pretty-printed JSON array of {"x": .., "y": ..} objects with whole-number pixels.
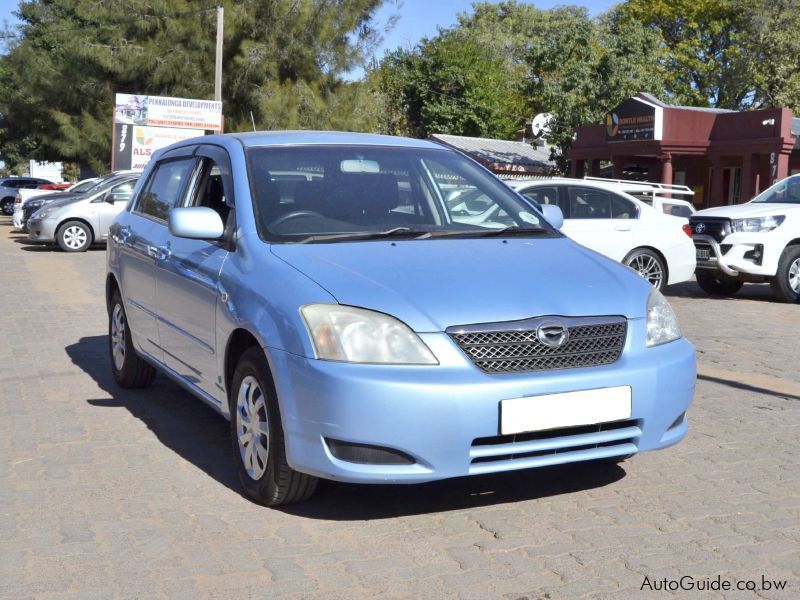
[
  {"x": 717, "y": 284},
  {"x": 648, "y": 265},
  {"x": 786, "y": 283},
  {"x": 7, "y": 206},
  {"x": 128, "y": 368},
  {"x": 74, "y": 236},
  {"x": 257, "y": 437}
]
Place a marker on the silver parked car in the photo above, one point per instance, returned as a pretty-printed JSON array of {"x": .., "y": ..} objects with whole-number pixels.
[{"x": 77, "y": 223}]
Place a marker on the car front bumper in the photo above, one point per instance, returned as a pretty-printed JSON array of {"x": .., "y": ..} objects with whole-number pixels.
[
  {"x": 16, "y": 218},
  {"x": 728, "y": 256},
  {"x": 42, "y": 230},
  {"x": 435, "y": 414}
]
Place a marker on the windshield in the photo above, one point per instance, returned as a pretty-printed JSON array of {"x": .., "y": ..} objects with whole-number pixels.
[
  {"x": 339, "y": 193},
  {"x": 786, "y": 191}
]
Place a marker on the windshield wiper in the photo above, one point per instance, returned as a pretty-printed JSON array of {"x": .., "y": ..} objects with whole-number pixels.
[
  {"x": 405, "y": 232},
  {"x": 505, "y": 231}
]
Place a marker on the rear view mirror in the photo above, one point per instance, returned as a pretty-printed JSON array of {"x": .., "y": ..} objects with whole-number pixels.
[
  {"x": 553, "y": 215},
  {"x": 196, "y": 222}
]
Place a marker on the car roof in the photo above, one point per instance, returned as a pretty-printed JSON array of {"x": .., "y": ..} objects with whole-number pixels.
[{"x": 285, "y": 138}]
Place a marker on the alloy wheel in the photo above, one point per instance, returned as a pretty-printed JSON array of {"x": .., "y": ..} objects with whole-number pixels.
[
  {"x": 252, "y": 427},
  {"x": 74, "y": 237},
  {"x": 794, "y": 276},
  {"x": 118, "y": 334},
  {"x": 648, "y": 267}
]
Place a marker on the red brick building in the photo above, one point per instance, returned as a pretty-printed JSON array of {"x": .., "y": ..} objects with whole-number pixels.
[{"x": 727, "y": 157}]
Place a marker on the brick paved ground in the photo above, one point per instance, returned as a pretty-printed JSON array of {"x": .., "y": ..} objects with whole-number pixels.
[{"x": 106, "y": 493}]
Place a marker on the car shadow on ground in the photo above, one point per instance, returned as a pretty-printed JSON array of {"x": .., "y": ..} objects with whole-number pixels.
[
  {"x": 199, "y": 435},
  {"x": 749, "y": 291}
]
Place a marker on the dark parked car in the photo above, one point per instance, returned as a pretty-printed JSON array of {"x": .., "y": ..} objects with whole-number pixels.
[{"x": 9, "y": 187}]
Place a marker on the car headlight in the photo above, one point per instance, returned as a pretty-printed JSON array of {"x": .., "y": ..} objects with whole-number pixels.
[
  {"x": 357, "y": 335},
  {"x": 757, "y": 224},
  {"x": 662, "y": 325}
]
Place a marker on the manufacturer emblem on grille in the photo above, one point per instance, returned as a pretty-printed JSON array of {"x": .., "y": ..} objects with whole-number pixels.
[
  {"x": 553, "y": 335},
  {"x": 700, "y": 228}
]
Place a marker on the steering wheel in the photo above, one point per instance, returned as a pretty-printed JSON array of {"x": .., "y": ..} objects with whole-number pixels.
[{"x": 295, "y": 215}]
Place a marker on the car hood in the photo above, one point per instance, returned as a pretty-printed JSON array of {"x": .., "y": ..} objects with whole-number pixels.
[
  {"x": 54, "y": 197},
  {"x": 434, "y": 284},
  {"x": 750, "y": 209},
  {"x": 66, "y": 201}
]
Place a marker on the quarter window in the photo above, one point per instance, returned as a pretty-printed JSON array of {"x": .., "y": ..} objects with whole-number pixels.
[{"x": 165, "y": 188}]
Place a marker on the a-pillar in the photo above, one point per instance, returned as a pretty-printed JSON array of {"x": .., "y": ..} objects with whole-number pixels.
[{"x": 666, "y": 171}]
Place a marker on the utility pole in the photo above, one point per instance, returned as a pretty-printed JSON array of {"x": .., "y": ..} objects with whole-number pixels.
[{"x": 218, "y": 62}]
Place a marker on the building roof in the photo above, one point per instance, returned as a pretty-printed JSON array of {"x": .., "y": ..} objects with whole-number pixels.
[
  {"x": 653, "y": 100},
  {"x": 500, "y": 154}
]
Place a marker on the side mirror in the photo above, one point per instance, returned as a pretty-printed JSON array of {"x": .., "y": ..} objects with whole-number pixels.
[
  {"x": 196, "y": 222},
  {"x": 553, "y": 215}
]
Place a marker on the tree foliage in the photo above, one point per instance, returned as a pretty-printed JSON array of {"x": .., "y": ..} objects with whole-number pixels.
[
  {"x": 505, "y": 62},
  {"x": 284, "y": 61}
]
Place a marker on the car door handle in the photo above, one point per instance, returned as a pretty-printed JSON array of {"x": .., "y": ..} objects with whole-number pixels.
[
  {"x": 161, "y": 254},
  {"x": 123, "y": 233},
  {"x": 623, "y": 228}
]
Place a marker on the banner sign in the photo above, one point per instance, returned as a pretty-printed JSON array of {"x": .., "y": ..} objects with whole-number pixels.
[
  {"x": 634, "y": 119},
  {"x": 144, "y": 124}
]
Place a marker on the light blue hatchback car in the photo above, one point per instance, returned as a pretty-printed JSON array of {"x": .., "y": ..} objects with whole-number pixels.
[{"x": 383, "y": 310}]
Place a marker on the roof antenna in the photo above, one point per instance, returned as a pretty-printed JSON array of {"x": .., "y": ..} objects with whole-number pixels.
[{"x": 252, "y": 120}]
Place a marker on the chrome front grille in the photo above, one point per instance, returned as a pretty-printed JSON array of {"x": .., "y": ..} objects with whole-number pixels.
[{"x": 514, "y": 347}]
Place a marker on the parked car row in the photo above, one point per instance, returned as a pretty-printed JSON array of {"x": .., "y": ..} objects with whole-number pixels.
[{"x": 77, "y": 218}]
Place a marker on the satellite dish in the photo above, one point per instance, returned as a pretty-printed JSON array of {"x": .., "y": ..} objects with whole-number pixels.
[{"x": 540, "y": 126}]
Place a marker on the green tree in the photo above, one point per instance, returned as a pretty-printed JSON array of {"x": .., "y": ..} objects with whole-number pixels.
[
  {"x": 284, "y": 61},
  {"x": 508, "y": 61},
  {"x": 772, "y": 45},
  {"x": 706, "y": 56}
]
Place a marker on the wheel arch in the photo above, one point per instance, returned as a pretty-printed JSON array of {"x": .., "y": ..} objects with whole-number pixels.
[
  {"x": 80, "y": 220},
  {"x": 239, "y": 341},
  {"x": 112, "y": 285}
]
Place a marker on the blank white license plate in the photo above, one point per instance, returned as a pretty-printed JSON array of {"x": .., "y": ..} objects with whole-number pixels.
[{"x": 569, "y": 409}]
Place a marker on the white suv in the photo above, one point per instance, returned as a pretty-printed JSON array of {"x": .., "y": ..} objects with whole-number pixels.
[{"x": 755, "y": 242}]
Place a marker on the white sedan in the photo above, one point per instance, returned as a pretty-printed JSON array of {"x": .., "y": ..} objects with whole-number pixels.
[{"x": 657, "y": 246}]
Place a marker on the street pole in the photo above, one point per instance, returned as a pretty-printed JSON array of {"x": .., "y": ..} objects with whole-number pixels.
[{"x": 218, "y": 62}]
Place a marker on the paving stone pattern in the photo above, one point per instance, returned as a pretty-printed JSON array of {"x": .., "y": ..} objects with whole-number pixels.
[{"x": 106, "y": 493}]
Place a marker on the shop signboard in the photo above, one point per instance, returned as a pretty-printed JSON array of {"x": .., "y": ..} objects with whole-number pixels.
[{"x": 634, "y": 120}]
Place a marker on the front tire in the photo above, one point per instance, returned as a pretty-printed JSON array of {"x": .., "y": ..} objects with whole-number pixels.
[
  {"x": 717, "y": 284},
  {"x": 786, "y": 283},
  {"x": 257, "y": 437},
  {"x": 648, "y": 265},
  {"x": 74, "y": 236},
  {"x": 128, "y": 368}
]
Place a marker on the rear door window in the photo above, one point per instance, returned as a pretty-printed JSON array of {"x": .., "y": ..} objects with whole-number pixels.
[{"x": 589, "y": 203}]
